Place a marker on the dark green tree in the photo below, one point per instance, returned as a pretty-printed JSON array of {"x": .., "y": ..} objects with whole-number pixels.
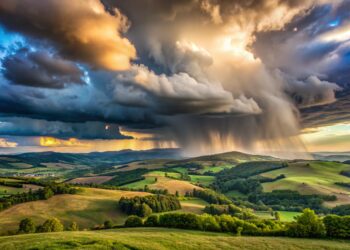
[{"x": 26, "y": 226}]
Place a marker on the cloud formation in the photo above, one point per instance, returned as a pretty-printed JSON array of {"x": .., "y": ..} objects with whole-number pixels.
[
  {"x": 209, "y": 76},
  {"x": 39, "y": 69},
  {"x": 80, "y": 30}
]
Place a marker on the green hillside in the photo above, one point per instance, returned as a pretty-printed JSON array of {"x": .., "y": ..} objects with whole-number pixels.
[
  {"x": 312, "y": 177},
  {"x": 156, "y": 238}
]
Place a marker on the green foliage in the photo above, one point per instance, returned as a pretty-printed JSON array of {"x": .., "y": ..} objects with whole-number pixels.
[
  {"x": 145, "y": 210},
  {"x": 107, "y": 224},
  {"x": 127, "y": 177},
  {"x": 73, "y": 226},
  {"x": 277, "y": 215},
  {"x": 337, "y": 226},
  {"x": 133, "y": 221},
  {"x": 341, "y": 210},
  {"x": 51, "y": 225},
  {"x": 307, "y": 225},
  {"x": 42, "y": 194},
  {"x": 215, "y": 209},
  {"x": 211, "y": 196},
  {"x": 248, "y": 169},
  {"x": 152, "y": 221},
  {"x": 144, "y": 206},
  {"x": 26, "y": 226},
  {"x": 291, "y": 200}
]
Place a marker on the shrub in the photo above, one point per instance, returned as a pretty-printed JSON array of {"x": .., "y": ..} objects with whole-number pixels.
[
  {"x": 133, "y": 221},
  {"x": 107, "y": 224},
  {"x": 337, "y": 226},
  {"x": 52, "y": 225},
  {"x": 73, "y": 226},
  {"x": 307, "y": 225},
  {"x": 26, "y": 226},
  {"x": 145, "y": 210},
  {"x": 152, "y": 221}
]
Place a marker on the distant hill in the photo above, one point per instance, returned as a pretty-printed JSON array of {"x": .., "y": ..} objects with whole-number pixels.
[
  {"x": 331, "y": 156},
  {"x": 233, "y": 157},
  {"x": 90, "y": 159}
]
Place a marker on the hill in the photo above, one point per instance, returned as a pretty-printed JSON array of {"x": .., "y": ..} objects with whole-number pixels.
[
  {"x": 89, "y": 208},
  {"x": 312, "y": 177},
  {"x": 156, "y": 238}
]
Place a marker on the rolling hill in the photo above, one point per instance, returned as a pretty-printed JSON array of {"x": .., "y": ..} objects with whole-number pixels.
[{"x": 159, "y": 238}]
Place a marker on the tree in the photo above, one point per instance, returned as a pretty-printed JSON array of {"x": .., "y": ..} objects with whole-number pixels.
[
  {"x": 152, "y": 221},
  {"x": 47, "y": 193},
  {"x": 145, "y": 210},
  {"x": 307, "y": 225},
  {"x": 107, "y": 224},
  {"x": 73, "y": 226},
  {"x": 52, "y": 225},
  {"x": 133, "y": 221},
  {"x": 26, "y": 226},
  {"x": 277, "y": 215}
]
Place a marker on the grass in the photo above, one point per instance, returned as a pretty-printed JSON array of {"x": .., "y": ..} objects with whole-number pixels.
[
  {"x": 284, "y": 215},
  {"x": 205, "y": 180},
  {"x": 5, "y": 190},
  {"x": 159, "y": 239},
  {"x": 89, "y": 208},
  {"x": 314, "y": 177},
  {"x": 140, "y": 184},
  {"x": 173, "y": 185}
]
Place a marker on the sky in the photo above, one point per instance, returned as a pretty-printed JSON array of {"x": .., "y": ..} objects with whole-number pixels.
[{"x": 205, "y": 76}]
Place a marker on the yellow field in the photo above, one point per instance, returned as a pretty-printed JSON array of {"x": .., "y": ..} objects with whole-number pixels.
[
  {"x": 89, "y": 208},
  {"x": 172, "y": 185}
]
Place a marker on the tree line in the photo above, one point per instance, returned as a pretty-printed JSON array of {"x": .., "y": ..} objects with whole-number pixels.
[
  {"x": 40, "y": 194},
  {"x": 306, "y": 225},
  {"x": 146, "y": 205}
]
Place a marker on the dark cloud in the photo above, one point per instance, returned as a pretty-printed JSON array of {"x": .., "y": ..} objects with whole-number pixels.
[
  {"x": 40, "y": 69},
  {"x": 205, "y": 76},
  {"x": 32, "y": 127}
]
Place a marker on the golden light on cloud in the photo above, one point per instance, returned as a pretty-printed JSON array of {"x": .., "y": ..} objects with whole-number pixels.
[
  {"x": 7, "y": 144},
  {"x": 74, "y": 145},
  {"x": 54, "y": 142}
]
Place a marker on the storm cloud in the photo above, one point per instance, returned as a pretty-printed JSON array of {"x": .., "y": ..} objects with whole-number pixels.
[{"x": 208, "y": 75}]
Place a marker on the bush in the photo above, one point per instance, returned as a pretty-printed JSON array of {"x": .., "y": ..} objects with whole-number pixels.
[
  {"x": 307, "y": 225},
  {"x": 73, "y": 226},
  {"x": 52, "y": 225},
  {"x": 133, "y": 221},
  {"x": 26, "y": 226},
  {"x": 337, "y": 226},
  {"x": 180, "y": 220},
  {"x": 145, "y": 210},
  {"x": 107, "y": 224},
  {"x": 152, "y": 221}
]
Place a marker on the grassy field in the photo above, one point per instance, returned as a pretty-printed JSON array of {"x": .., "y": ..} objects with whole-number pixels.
[
  {"x": 161, "y": 238},
  {"x": 149, "y": 180},
  {"x": 89, "y": 208},
  {"x": 284, "y": 215},
  {"x": 205, "y": 180},
  {"x": 173, "y": 185},
  {"x": 312, "y": 178}
]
